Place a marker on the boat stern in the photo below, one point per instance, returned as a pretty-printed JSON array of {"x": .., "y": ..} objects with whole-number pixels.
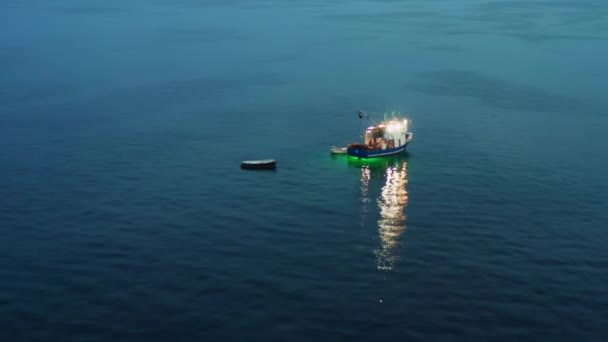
[{"x": 357, "y": 152}]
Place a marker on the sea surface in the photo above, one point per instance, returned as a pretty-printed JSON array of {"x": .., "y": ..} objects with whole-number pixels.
[{"x": 124, "y": 215}]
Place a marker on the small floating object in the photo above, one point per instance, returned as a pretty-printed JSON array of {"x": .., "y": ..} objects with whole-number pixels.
[
  {"x": 265, "y": 164},
  {"x": 338, "y": 150}
]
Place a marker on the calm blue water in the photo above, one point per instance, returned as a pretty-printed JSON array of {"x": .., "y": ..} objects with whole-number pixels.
[{"x": 124, "y": 214}]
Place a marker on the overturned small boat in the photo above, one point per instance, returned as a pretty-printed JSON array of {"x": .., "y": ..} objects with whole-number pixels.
[{"x": 265, "y": 164}]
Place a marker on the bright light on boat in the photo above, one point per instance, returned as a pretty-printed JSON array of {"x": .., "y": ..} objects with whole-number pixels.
[{"x": 393, "y": 127}]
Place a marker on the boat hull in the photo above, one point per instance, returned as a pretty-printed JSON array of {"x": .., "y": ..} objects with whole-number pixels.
[
  {"x": 364, "y": 153},
  {"x": 270, "y": 164}
]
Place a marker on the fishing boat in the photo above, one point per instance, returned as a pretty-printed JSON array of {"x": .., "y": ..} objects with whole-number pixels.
[
  {"x": 265, "y": 164},
  {"x": 389, "y": 137}
]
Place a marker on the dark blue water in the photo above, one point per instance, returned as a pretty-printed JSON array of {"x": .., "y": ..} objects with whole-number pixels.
[{"x": 124, "y": 214}]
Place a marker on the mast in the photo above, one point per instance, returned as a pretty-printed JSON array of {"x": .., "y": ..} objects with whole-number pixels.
[{"x": 362, "y": 115}]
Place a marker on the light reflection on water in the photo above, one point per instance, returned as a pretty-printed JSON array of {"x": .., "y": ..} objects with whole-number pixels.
[{"x": 391, "y": 175}]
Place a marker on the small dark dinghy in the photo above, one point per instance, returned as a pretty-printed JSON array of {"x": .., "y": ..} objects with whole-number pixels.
[{"x": 267, "y": 164}]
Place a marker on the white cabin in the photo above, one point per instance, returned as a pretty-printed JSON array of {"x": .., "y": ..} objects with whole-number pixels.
[{"x": 389, "y": 134}]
